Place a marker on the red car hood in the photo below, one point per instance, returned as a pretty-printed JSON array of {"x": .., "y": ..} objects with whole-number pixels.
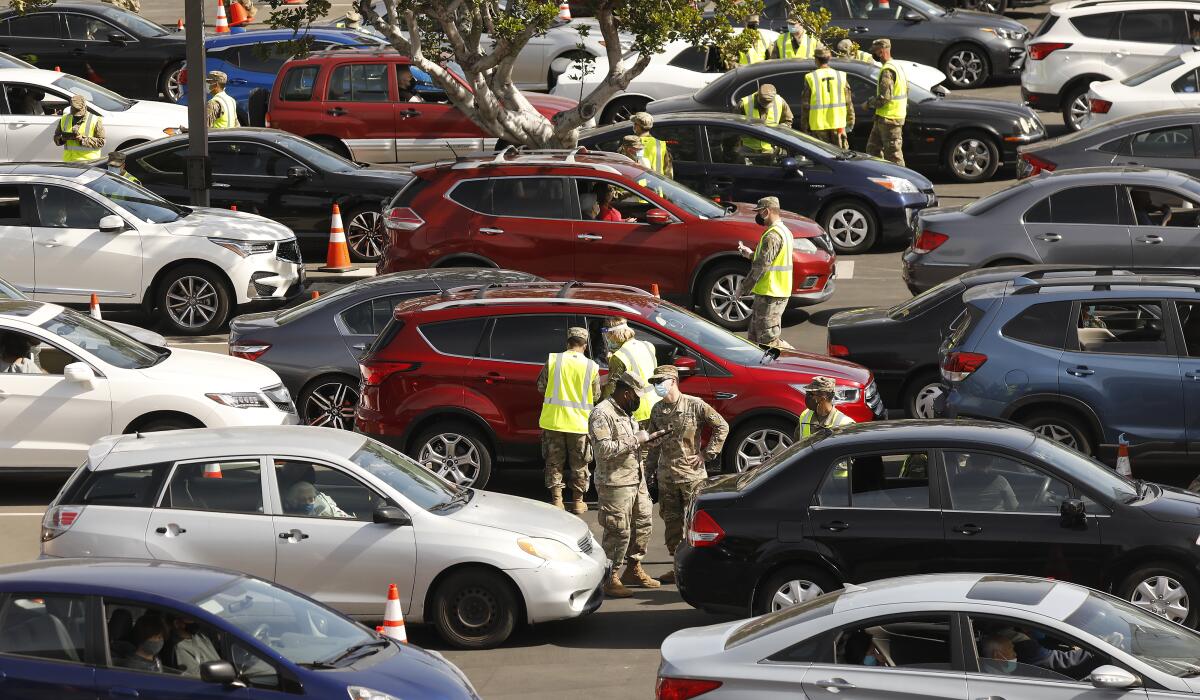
[
  {"x": 549, "y": 105},
  {"x": 810, "y": 365}
]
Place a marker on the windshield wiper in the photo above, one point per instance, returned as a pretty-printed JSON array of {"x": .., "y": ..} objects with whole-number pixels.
[
  {"x": 375, "y": 644},
  {"x": 461, "y": 498}
]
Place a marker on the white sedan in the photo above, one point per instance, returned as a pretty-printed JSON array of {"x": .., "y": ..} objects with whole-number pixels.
[
  {"x": 36, "y": 100},
  {"x": 1171, "y": 84}
]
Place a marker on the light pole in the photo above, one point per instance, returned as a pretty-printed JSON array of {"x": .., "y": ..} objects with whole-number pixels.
[{"x": 199, "y": 175}]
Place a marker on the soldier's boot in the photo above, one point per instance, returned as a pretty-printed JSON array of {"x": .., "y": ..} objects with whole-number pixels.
[
  {"x": 613, "y": 588},
  {"x": 668, "y": 577},
  {"x": 636, "y": 576},
  {"x": 577, "y": 505},
  {"x": 556, "y": 497}
]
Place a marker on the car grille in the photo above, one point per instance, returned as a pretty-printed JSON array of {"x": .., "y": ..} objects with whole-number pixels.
[
  {"x": 289, "y": 251},
  {"x": 585, "y": 544}
]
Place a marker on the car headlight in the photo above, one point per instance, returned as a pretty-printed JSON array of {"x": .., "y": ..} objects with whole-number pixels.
[
  {"x": 550, "y": 550},
  {"x": 358, "y": 692},
  {"x": 1011, "y": 34},
  {"x": 240, "y": 399},
  {"x": 896, "y": 184},
  {"x": 245, "y": 248},
  {"x": 1026, "y": 125},
  {"x": 843, "y": 394}
]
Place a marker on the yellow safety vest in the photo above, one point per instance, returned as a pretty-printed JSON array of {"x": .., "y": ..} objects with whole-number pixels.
[
  {"x": 897, "y": 108},
  {"x": 73, "y": 150},
  {"x": 773, "y": 116},
  {"x": 228, "y": 117},
  {"x": 640, "y": 358},
  {"x": 568, "y": 401},
  {"x": 808, "y": 419},
  {"x": 863, "y": 56},
  {"x": 784, "y": 49},
  {"x": 656, "y": 153},
  {"x": 826, "y": 103},
  {"x": 777, "y": 280},
  {"x": 757, "y": 51}
]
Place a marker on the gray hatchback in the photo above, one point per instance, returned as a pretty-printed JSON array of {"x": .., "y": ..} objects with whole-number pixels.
[{"x": 1141, "y": 217}]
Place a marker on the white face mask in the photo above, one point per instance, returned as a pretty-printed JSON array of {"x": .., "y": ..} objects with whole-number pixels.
[{"x": 794, "y": 28}]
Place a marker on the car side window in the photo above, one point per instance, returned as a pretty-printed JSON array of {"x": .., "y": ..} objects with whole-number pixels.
[
  {"x": 602, "y": 200},
  {"x": 33, "y": 101},
  {"x": 531, "y": 197},
  {"x": 861, "y": 89},
  {"x": 369, "y": 317},
  {"x": 297, "y": 85},
  {"x": 317, "y": 491},
  {"x": 693, "y": 58},
  {"x": 985, "y": 482},
  {"x": 460, "y": 338},
  {"x": 733, "y": 146},
  {"x": 59, "y": 207},
  {"x": 1187, "y": 83},
  {"x": 85, "y": 28},
  {"x": 253, "y": 669},
  {"x": 40, "y": 626},
  {"x": 41, "y": 25},
  {"x": 156, "y": 640},
  {"x": 877, "y": 481},
  {"x": 1169, "y": 142},
  {"x": 1041, "y": 324},
  {"x": 1189, "y": 317},
  {"x": 1125, "y": 328},
  {"x": 1094, "y": 204},
  {"x": 911, "y": 641},
  {"x": 1099, "y": 26},
  {"x": 475, "y": 195},
  {"x": 683, "y": 142},
  {"x": 135, "y": 487},
  {"x": 244, "y": 158},
  {"x": 228, "y": 486},
  {"x": 168, "y": 162},
  {"x": 359, "y": 82},
  {"x": 262, "y": 58},
  {"x": 10, "y": 206},
  {"x": 527, "y": 338},
  {"x": 1017, "y": 649},
  {"x": 1153, "y": 27},
  {"x": 32, "y": 356}
]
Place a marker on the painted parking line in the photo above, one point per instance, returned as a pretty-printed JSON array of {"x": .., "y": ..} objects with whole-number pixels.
[
  {"x": 845, "y": 269},
  {"x": 22, "y": 514}
]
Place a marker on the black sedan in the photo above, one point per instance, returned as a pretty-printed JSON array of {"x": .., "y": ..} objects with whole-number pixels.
[
  {"x": 968, "y": 137},
  {"x": 1156, "y": 140},
  {"x": 282, "y": 177},
  {"x": 314, "y": 347},
  {"x": 109, "y": 46},
  {"x": 876, "y": 500}
]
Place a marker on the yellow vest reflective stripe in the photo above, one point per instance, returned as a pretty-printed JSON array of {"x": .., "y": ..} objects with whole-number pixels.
[
  {"x": 826, "y": 103},
  {"x": 757, "y": 51},
  {"x": 129, "y": 176},
  {"x": 784, "y": 48},
  {"x": 656, "y": 153},
  {"x": 897, "y": 108},
  {"x": 777, "y": 280},
  {"x": 808, "y": 419},
  {"x": 73, "y": 150},
  {"x": 568, "y": 401},
  {"x": 864, "y": 57},
  {"x": 639, "y": 357},
  {"x": 228, "y": 117},
  {"x": 774, "y": 113}
]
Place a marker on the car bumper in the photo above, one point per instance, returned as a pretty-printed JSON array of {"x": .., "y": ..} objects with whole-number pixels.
[
  {"x": 712, "y": 582},
  {"x": 1043, "y": 101},
  {"x": 267, "y": 281},
  {"x": 562, "y": 590},
  {"x": 814, "y": 297},
  {"x": 919, "y": 276},
  {"x": 1008, "y": 57},
  {"x": 896, "y": 222}
]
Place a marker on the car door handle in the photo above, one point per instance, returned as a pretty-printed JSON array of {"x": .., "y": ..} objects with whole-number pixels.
[
  {"x": 238, "y": 81},
  {"x": 359, "y": 346},
  {"x": 293, "y": 534},
  {"x": 172, "y": 528},
  {"x": 122, "y": 693},
  {"x": 1049, "y": 237},
  {"x": 857, "y": 30},
  {"x": 336, "y": 111},
  {"x": 410, "y": 113},
  {"x": 493, "y": 377},
  {"x": 52, "y": 243},
  {"x": 835, "y": 684},
  {"x": 491, "y": 231},
  {"x": 968, "y": 529},
  {"x": 78, "y": 52},
  {"x": 590, "y": 237},
  {"x": 724, "y": 395},
  {"x": 1152, "y": 239},
  {"x": 222, "y": 185},
  {"x": 835, "y": 526},
  {"x": 1081, "y": 372}
]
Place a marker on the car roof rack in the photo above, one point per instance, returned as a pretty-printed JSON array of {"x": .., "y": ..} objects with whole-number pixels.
[
  {"x": 1024, "y": 285},
  {"x": 1098, "y": 3},
  {"x": 1101, "y": 270},
  {"x": 455, "y": 303}
]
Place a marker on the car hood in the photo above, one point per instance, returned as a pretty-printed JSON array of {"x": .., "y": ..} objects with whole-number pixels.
[
  {"x": 982, "y": 106},
  {"x": 549, "y": 105},
  {"x": 971, "y": 18},
  {"x": 1174, "y": 506},
  {"x": 808, "y": 365},
  {"x": 522, "y": 516},
  {"x": 876, "y": 167},
  {"x": 410, "y": 672},
  {"x": 150, "y": 112},
  {"x": 205, "y": 221},
  {"x": 217, "y": 373}
]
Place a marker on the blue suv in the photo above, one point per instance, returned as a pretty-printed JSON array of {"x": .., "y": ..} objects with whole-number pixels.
[{"x": 1083, "y": 360}]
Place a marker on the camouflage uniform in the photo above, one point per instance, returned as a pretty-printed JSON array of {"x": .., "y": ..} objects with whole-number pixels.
[
  {"x": 561, "y": 449},
  {"x": 887, "y": 135},
  {"x": 766, "y": 314},
  {"x": 616, "y": 367},
  {"x": 625, "y": 510}
]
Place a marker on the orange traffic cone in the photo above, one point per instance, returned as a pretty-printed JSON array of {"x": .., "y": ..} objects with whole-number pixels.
[
  {"x": 564, "y": 11},
  {"x": 57, "y": 69},
  {"x": 94, "y": 307},
  {"x": 337, "y": 259},
  {"x": 654, "y": 288},
  {"x": 179, "y": 25},
  {"x": 232, "y": 207},
  {"x": 222, "y": 26},
  {"x": 393, "y": 617},
  {"x": 316, "y": 294},
  {"x": 212, "y": 471},
  {"x": 1123, "y": 466}
]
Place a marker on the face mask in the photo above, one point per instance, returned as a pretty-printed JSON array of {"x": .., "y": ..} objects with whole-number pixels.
[
  {"x": 115, "y": 169},
  {"x": 809, "y": 402},
  {"x": 152, "y": 646},
  {"x": 1010, "y": 666},
  {"x": 630, "y": 402},
  {"x": 752, "y": 25},
  {"x": 794, "y": 28},
  {"x": 662, "y": 388},
  {"x": 310, "y": 508},
  {"x": 870, "y": 660},
  {"x": 760, "y": 219}
]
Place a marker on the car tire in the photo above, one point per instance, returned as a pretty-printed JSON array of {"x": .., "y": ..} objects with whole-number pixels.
[
  {"x": 1061, "y": 427},
  {"x": 795, "y": 583},
  {"x": 364, "y": 234},
  {"x": 329, "y": 402},
  {"x": 754, "y": 441},
  {"x": 971, "y": 156},
  {"x": 1164, "y": 589},
  {"x": 168, "y": 83},
  {"x": 851, "y": 225},
  {"x": 966, "y": 66},
  {"x": 717, "y": 297},
  {"x": 922, "y": 393},
  {"x": 1075, "y": 105},
  {"x": 193, "y": 300},
  {"x": 455, "y": 451},
  {"x": 622, "y": 109},
  {"x": 475, "y": 609}
]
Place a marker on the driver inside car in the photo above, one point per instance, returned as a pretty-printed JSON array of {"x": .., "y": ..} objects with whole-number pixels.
[
  {"x": 304, "y": 499},
  {"x": 16, "y": 355}
]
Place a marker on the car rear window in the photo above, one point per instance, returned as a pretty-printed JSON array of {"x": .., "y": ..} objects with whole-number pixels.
[
  {"x": 134, "y": 487},
  {"x": 454, "y": 337},
  {"x": 1093, "y": 204},
  {"x": 298, "y": 84},
  {"x": 794, "y": 615},
  {"x": 1041, "y": 324},
  {"x": 1046, "y": 25},
  {"x": 1095, "y": 26}
]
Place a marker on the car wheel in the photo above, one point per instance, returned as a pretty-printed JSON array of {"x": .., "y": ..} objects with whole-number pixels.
[
  {"x": 1076, "y": 106},
  {"x": 1060, "y": 427},
  {"x": 475, "y": 609},
  {"x": 193, "y": 300},
  {"x": 364, "y": 235},
  {"x": 457, "y": 453},
  {"x": 622, "y": 110},
  {"x": 792, "y": 585},
  {"x": 965, "y": 66},
  {"x": 751, "y": 444},
  {"x": 852, "y": 226},
  {"x": 922, "y": 395},
  {"x": 169, "y": 85},
  {"x": 1165, "y": 590},
  {"x": 719, "y": 299},
  {"x": 329, "y": 402},
  {"x": 971, "y": 157}
]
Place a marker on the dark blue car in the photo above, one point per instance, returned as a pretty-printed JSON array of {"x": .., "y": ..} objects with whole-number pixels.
[{"x": 112, "y": 628}]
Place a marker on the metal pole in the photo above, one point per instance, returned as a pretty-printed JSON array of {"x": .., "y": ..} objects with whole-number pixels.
[{"x": 198, "y": 176}]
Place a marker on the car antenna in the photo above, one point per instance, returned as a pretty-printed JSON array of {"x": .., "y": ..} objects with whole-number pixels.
[{"x": 448, "y": 145}]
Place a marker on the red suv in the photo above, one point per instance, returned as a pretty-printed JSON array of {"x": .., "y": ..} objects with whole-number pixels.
[
  {"x": 452, "y": 378},
  {"x": 536, "y": 211},
  {"x": 347, "y": 101}
]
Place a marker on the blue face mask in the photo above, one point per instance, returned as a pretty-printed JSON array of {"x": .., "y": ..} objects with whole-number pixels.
[
  {"x": 661, "y": 389},
  {"x": 870, "y": 660},
  {"x": 1010, "y": 666},
  {"x": 310, "y": 508}
]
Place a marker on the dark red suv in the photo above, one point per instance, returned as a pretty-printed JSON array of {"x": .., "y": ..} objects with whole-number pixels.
[
  {"x": 535, "y": 211},
  {"x": 452, "y": 378}
]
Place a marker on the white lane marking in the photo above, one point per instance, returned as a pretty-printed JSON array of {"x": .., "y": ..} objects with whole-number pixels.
[
  {"x": 845, "y": 269},
  {"x": 23, "y": 514}
]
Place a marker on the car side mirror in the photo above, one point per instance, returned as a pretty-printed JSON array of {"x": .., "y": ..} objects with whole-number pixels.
[
  {"x": 685, "y": 365},
  {"x": 912, "y": 16},
  {"x": 1113, "y": 677},
  {"x": 219, "y": 672},
  {"x": 299, "y": 172},
  {"x": 658, "y": 217},
  {"x": 118, "y": 39},
  {"x": 1072, "y": 511},
  {"x": 390, "y": 515},
  {"x": 79, "y": 373},
  {"x": 111, "y": 224}
]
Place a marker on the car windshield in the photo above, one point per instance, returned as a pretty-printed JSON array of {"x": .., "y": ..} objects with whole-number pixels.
[
  {"x": 414, "y": 482},
  {"x": 1155, "y": 641},
  {"x": 318, "y": 156},
  {"x": 1084, "y": 470},
  {"x": 298, "y": 629},
  {"x": 926, "y": 8},
  {"x": 142, "y": 203},
  {"x": 708, "y": 336},
  {"x": 1153, "y": 71},
  {"x": 682, "y": 197},
  {"x": 103, "y": 341},
  {"x": 103, "y": 98},
  {"x": 922, "y": 302},
  {"x": 812, "y": 142}
]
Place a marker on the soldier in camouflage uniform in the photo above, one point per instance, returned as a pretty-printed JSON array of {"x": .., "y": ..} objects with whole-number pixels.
[
  {"x": 563, "y": 447},
  {"x": 887, "y": 133},
  {"x": 625, "y": 511},
  {"x": 681, "y": 462},
  {"x": 766, "y": 315}
]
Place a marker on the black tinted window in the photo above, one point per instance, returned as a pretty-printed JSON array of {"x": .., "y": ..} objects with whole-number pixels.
[
  {"x": 44, "y": 627},
  {"x": 536, "y": 197},
  {"x": 1077, "y": 205},
  {"x": 298, "y": 83},
  {"x": 527, "y": 338},
  {"x": 58, "y": 207},
  {"x": 1095, "y": 26},
  {"x": 682, "y": 142},
  {"x": 85, "y": 28},
  {"x": 1153, "y": 26},
  {"x": 36, "y": 24},
  {"x": 369, "y": 317},
  {"x": 1189, "y": 316},
  {"x": 10, "y": 206},
  {"x": 123, "y": 487},
  {"x": 692, "y": 58},
  {"x": 243, "y": 158},
  {"x": 472, "y": 194},
  {"x": 878, "y": 481},
  {"x": 169, "y": 161},
  {"x": 1187, "y": 84},
  {"x": 262, "y": 58},
  {"x": 1170, "y": 142},
  {"x": 454, "y": 337},
  {"x": 1041, "y": 324}
]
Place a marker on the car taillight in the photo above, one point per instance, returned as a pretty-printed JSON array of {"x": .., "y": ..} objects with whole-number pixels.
[
  {"x": 183, "y": 76},
  {"x": 957, "y": 366},
  {"x": 376, "y": 372},
  {"x": 928, "y": 240},
  {"x": 1101, "y": 106},
  {"x": 1043, "y": 49},
  {"x": 248, "y": 349},
  {"x": 704, "y": 531},
  {"x": 267, "y": 120},
  {"x": 1037, "y": 165},
  {"x": 683, "y": 688},
  {"x": 839, "y": 350},
  {"x": 58, "y": 520},
  {"x": 402, "y": 219}
]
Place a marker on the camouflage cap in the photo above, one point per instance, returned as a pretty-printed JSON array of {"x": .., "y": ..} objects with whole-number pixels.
[
  {"x": 642, "y": 119},
  {"x": 822, "y": 384},
  {"x": 662, "y": 372},
  {"x": 845, "y": 46},
  {"x": 577, "y": 332},
  {"x": 631, "y": 141},
  {"x": 218, "y": 77},
  {"x": 751, "y": 18},
  {"x": 612, "y": 323},
  {"x": 78, "y": 103},
  {"x": 630, "y": 380},
  {"x": 767, "y": 90},
  {"x": 881, "y": 44},
  {"x": 822, "y": 53},
  {"x": 116, "y": 158},
  {"x": 767, "y": 203}
]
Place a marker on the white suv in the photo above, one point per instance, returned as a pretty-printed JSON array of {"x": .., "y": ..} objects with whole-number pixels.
[
  {"x": 70, "y": 231},
  {"x": 1089, "y": 40},
  {"x": 81, "y": 380}
]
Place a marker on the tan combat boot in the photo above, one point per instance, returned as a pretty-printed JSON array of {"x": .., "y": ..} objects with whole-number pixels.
[
  {"x": 635, "y": 575},
  {"x": 577, "y": 505},
  {"x": 615, "y": 589},
  {"x": 556, "y": 497},
  {"x": 668, "y": 577}
]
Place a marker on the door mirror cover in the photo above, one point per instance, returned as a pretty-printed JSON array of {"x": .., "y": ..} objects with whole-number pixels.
[
  {"x": 940, "y": 90},
  {"x": 390, "y": 515},
  {"x": 1072, "y": 510},
  {"x": 111, "y": 224},
  {"x": 1113, "y": 677},
  {"x": 685, "y": 365},
  {"x": 912, "y": 16},
  {"x": 118, "y": 38},
  {"x": 79, "y": 372},
  {"x": 299, "y": 172},
  {"x": 221, "y": 672},
  {"x": 658, "y": 217},
  {"x": 790, "y": 166}
]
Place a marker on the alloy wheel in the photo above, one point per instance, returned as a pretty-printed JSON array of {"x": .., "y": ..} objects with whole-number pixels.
[
  {"x": 1080, "y": 107},
  {"x": 794, "y": 592},
  {"x": 1162, "y": 595},
  {"x": 192, "y": 302},
  {"x": 331, "y": 405},
  {"x": 364, "y": 235},
  {"x": 726, "y": 303},
  {"x": 1058, "y": 433},
  {"x": 926, "y": 399},
  {"x": 848, "y": 227},
  {"x": 758, "y": 446},
  {"x": 966, "y": 67},
  {"x": 174, "y": 88},
  {"x": 451, "y": 456},
  {"x": 970, "y": 158},
  {"x": 992, "y": 6}
]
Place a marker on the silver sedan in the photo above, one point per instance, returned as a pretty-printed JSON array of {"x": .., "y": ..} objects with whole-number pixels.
[{"x": 960, "y": 636}]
